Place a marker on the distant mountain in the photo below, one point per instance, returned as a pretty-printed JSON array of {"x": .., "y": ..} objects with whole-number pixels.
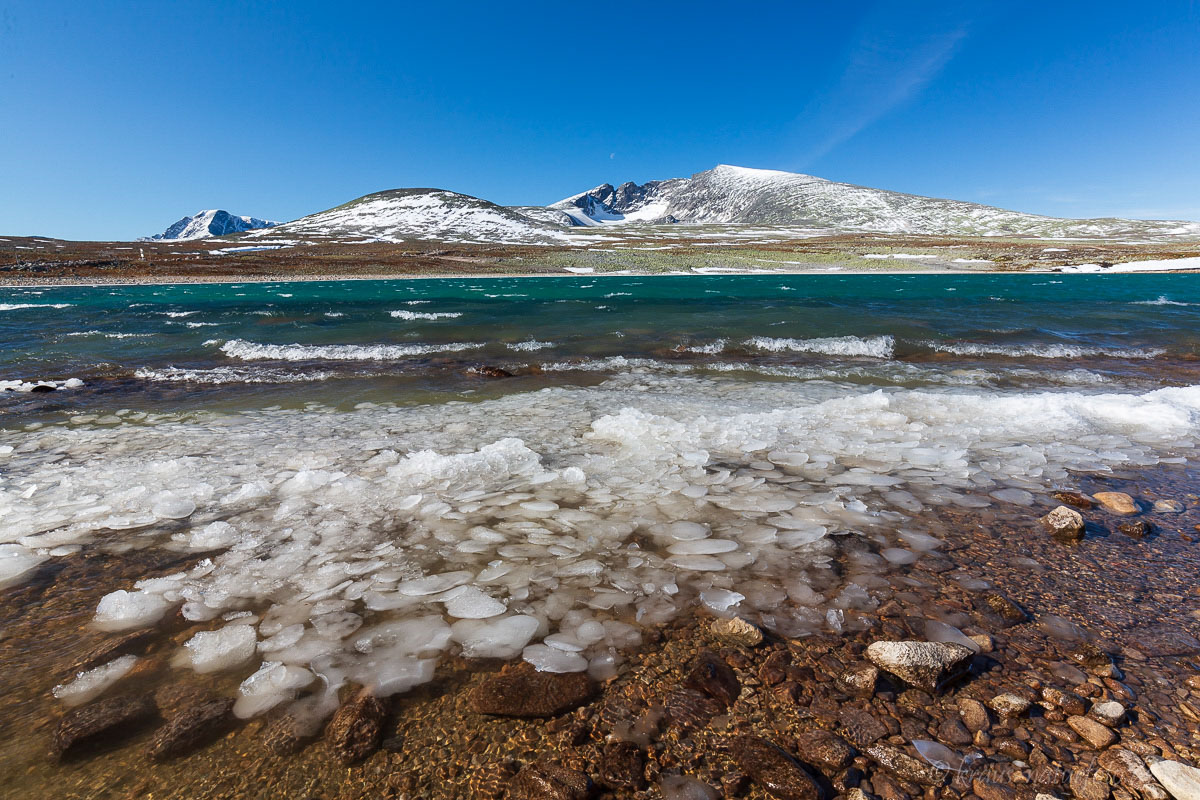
[
  {"x": 429, "y": 214},
  {"x": 205, "y": 224},
  {"x": 738, "y": 195}
]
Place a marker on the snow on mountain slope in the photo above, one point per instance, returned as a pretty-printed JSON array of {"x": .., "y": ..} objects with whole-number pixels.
[
  {"x": 739, "y": 195},
  {"x": 213, "y": 222},
  {"x": 428, "y": 214}
]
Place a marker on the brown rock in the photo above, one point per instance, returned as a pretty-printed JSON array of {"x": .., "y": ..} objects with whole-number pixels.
[
  {"x": 1092, "y": 732},
  {"x": 906, "y": 767},
  {"x": 1070, "y": 703},
  {"x": 774, "y": 668},
  {"x": 974, "y": 714},
  {"x": 1077, "y": 499},
  {"x": 1086, "y": 787},
  {"x": 622, "y": 766},
  {"x": 522, "y": 691},
  {"x": 1110, "y": 713},
  {"x": 193, "y": 727},
  {"x": 171, "y": 698},
  {"x": 489, "y": 371},
  {"x": 538, "y": 781},
  {"x": 102, "y": 722},
  {"x": 1064, "y": 524},
  {"x": 711, "y": 675},
  {"x": 775, "y": 771},
  {"x": 736, "y": 631},
  {"x": 691, "y": 709},
  {"x": 1136, "y": 529},
  {"x": 286, "y": 735},
  {"x": 1116, "y": 502},
  {"x": 1009, "y": 705},
  {"x": 1089, "y": 655},
  {"x": 824, "y": 749},
  {"x": 925, "y": 665},
  {"x": 1131, "y": 771},
  {"x": 134, "y": 643},
  {"x": 987, "y": 790},
  {"x": 859, "y": 680},
  {"x": 356, "y": 728},
  {"x": 1005, "y": 611},
  {"x": 860, "y": 727},
  {"x": 953, "y": 732}
]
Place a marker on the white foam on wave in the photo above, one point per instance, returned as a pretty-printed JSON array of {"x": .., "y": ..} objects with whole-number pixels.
[
  {"x": 1043, "y": 350},
  {"x": 255, "y": 351},
  {"x": 109, "y": 335},
  {"x": 433, "y": 315},
  {"x": 870, "y": 346},
  {"x": 1161, "y": 300},
  {"x": 226, "y": 375},
  {"x": 360, "y": 546},
  {"x": 19, "y": 306},
  {"x": 528, "y": 346}
]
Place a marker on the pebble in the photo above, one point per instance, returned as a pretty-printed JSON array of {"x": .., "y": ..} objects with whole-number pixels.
[
  {"x": 1131, "y": 771},
  {"x": 1095, "y": 734},
  {"x": 736, "y": 631},
  {"x": 538, "y": 781},
  {"x": 859, "y": 681},
  {"x": 1110, "y": 713},
  {"x": 622, "y": 766},
  {"x": 1064, "y": 523},
  {"x": 904, "y": 766},
  {"x": 1116, "y": 502},
  {"x": 108, "y": 719},
  {"x": 824, "y": 749},
  {"x": 1181, "y": 780},
  {"x": 1009, "y": 705},
  {"x": 925, "y": 665},
  {"x": 1070, "y": 703},
  {"x": 1136, "y": 529},
  {"x": 522, "y": 691},
  {"x": 711, "y": 675},
  {"x": 356, "y": 728},
  {"x": 1077, "y": 499},
  {"x": 974, "y": 714},
  {"x": 191, "y": 728},
  {"x": 1168, "y": 507},
  {"x": 779, "y": 774}
]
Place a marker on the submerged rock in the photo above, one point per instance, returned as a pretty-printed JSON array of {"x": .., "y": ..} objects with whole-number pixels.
[
  {"x": 356, "y": 728},
  {"x": 489, "y": 371},
  {"x": 538, "y": 781},
  {"x": 1182, "y": 781},
  {"x": 1009, "y": 705},
  {"x": 1110, "y": 713},
  {"x": 925, "y": 665},
  {"x": 1077, "y": 499},
  {"x": 1064, "y": 523},
  {"x": 775, "y": 771},
  {"x": 711, "y": 675},
  {"x": 191, "y": 728},
  {"x": 1092, "y": 732},
  {"x": 1116, "y": 502},
  {"x": 103, "y": 721},
  {"x": 824, "y": 748},
  {"x": 1168, "y": 507},
  {"x": 906, "y": 767},
  {"x": 1131, "y": 771},
  {"x": 737, "y": 631},
  {"x": 622, "y": 766},
  {"x": 859, "y": 680},
  {"x": 522, "y": 691},
  {"x": 1136, "y": 529}
]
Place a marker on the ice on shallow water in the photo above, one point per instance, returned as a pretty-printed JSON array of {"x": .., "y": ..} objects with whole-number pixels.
[{"x": 360, "y": 547}]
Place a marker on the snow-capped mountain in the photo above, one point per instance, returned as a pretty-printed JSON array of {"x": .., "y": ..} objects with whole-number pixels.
[
  {"x": 215, "y": 222},
  {"x": 428, "y": 214},
  {"x": 739, "y": 195}
]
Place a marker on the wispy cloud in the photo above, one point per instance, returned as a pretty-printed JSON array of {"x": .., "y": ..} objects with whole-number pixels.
[{"x": 890, "y": 61}]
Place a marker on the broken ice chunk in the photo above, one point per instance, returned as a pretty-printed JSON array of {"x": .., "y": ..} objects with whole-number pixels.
[
  {"x": 123, "y": 611},
  {"x": 225, "y": 648}
]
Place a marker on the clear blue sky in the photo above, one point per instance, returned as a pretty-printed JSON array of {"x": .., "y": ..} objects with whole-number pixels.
[{"x": 117, "y": 118}]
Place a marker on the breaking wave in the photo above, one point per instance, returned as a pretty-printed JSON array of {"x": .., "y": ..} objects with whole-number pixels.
[
  {"x": 869, "y": 347},
  {"x": 254, "y": 351}
]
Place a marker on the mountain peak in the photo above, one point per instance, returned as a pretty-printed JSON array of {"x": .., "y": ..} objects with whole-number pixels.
[{"x": 211, "y": 222}]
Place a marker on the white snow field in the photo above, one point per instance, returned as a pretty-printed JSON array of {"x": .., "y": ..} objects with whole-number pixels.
[{"x": 361, "y": 546}]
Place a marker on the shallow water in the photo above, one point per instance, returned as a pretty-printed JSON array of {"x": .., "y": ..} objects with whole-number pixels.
[{"x": 350, "y": 504}]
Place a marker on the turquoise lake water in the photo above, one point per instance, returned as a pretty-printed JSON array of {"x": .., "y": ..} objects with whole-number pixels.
[{"x": 264, "y": 343}]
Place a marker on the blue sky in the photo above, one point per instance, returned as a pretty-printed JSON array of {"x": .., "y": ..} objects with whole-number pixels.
[{"x": 117, "y": 118}]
